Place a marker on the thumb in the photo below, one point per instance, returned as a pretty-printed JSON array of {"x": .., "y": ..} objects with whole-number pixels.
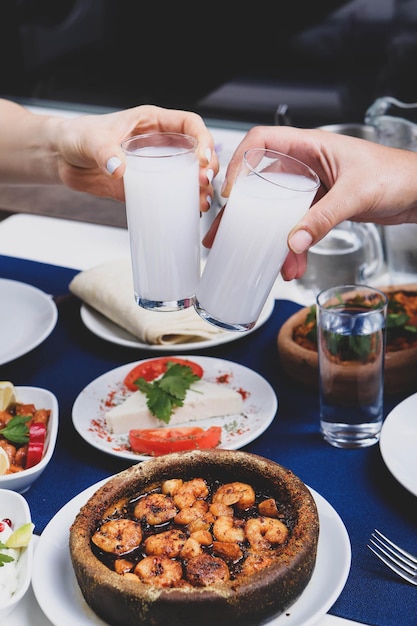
[{"x": 115, "y": 165}]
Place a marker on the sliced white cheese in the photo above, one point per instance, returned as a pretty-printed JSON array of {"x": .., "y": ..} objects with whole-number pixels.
[{"x": 202, "y": 400}]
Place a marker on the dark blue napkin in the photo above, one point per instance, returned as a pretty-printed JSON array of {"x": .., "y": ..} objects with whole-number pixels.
[{"x": 355, "y": 482}]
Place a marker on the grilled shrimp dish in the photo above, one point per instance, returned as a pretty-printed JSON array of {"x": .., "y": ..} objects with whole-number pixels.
[{"x": 192, "y": 533}]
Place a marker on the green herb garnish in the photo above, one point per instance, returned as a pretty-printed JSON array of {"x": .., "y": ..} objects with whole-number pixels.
[
  {"x": 169, "y": 391},
  {"x": 17, "y": 430},
  {"x": 4, "y": 558}
]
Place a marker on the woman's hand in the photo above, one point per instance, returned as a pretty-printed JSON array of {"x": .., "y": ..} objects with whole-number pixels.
[
  {"x": 89, "y": 151},
  {"x": 360, "y": 180}
]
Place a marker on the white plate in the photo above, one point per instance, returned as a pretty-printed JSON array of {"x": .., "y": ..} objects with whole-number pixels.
[
  {"x": 27, "y": 317},
  {"x": 59, "y": 596},
  {"x": 398, "y": 443},
  {"x": 108, "y": 330},
  {"x": 259, "y": 403}
]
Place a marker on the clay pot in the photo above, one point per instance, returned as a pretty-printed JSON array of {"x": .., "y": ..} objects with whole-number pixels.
[
  {"x": 250, "y": 600},
  {"x": 302, "y": 364}
]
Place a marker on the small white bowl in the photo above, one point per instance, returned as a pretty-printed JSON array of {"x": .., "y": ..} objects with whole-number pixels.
[
  {"x": 42, "y": 399},
  {"x": 14, "y": 506}
]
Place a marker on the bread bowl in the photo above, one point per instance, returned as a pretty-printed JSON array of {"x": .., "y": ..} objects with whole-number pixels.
[{"x": 249, "y": 599}]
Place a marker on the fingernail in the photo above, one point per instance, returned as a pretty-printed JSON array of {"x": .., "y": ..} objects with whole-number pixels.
[
  {"x": 112, "y": 164},
  {"x": 208, "y": 154},
  {"x": 210, "y": 174},
  {"x": 300, "y": 241},
  {"x": 209, "y": 200},
  {"x": 223, "y": 186}
]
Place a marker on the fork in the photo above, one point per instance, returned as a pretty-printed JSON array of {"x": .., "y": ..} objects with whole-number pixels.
[{"x": 400, "y": 561}]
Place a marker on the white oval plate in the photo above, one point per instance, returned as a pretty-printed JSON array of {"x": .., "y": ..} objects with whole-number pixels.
[
  {"x": 57, "y": 592},
  {"x": 27, "y": 317},
  {"x": 108, "y": 330},
  {"x": 259, "y": 403},
  {"x": 398, "y": 443}
]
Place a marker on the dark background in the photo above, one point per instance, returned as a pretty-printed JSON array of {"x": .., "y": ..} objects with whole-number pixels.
[{"x": 324, "y": 60}]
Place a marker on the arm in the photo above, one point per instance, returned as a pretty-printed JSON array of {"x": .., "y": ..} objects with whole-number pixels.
[
  {"x": 84, "y": 152},
  {"x": 361, "y": 181}
]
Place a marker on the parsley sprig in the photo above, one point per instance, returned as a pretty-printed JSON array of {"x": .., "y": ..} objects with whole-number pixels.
[
  {"x": 168, "y": 392},
  {"x": 17, "y": 429}
]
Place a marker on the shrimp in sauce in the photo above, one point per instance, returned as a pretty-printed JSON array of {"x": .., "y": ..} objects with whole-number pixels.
[
  {"x": 118, "y": 536},
  {"x": 190, "y": 533}
]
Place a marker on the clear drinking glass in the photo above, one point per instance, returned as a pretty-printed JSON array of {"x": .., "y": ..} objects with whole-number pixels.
[
  {"x": 163, "y": 216},
  {"x": 395, "y": 124},
  {"x": 350, "y": 253},
  {"x": 271, "y": 193},
  {"x": 351, "y": 321}
]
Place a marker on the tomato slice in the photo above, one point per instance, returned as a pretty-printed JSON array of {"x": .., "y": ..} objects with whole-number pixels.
[
  {"x": 158, "y": 441},
  {"x": 154, "y": 368},
  {"x": 36, "y": 445}
]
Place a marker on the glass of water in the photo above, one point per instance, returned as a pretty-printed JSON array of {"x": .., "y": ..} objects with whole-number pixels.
[{"x": 351, "y": 322}]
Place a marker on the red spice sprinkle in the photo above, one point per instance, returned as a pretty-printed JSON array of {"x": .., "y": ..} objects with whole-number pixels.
[
  {"x": 245, "y": 394},
  {"x": 109, "y": 401},
  {"x": 223, "y": 379},
  {"x": 99, "y": 429}
]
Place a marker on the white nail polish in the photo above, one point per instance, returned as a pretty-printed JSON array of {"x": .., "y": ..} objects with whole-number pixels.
[
  {"x": 210, "y": 175},
  {"x": 112, "y": 164},
  {"x": 208, "y": 154},
  {"x": 209, "y": 200}
]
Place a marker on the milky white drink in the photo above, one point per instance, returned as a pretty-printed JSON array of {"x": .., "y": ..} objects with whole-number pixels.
[
  {"x": 251, "y": 245},
  {"x": 162, "y": 205}
]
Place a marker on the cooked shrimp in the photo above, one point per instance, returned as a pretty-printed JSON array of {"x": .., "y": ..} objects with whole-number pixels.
[
  {"x": 227, "y": 550},
  {"x": 203, "y": 537},
  {"x": 159, "y": 571},
  {"x": 205, "y": 570},
  {"x": 155, "y": 508},
  {"x": 262, "y": 532},
  {"x": 256, "y": 562},
  {"x": 191, "y": 549},
  {"x": 168, "y": 543},
  {"x": 225, "y": 530},
  {"x": 240, "y": 494},
  {"x": 189, "y": 514},
  {"x": 118, "y": 536},
  {"x": 190, "y": 491},
  {"x": 170, "y": 487},
  {"x": 218, "y": 509},
  {"x": 268, "y": 508},
  {"x": 204, "y": 523},
  {"x": 123, "y": 566}
]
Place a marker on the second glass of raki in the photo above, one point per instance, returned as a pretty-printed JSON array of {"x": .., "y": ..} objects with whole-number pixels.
[{"x": 270, "y": 195}]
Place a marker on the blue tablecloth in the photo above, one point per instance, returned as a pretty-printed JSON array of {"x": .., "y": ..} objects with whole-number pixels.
[{"x": 355, "y": 482}]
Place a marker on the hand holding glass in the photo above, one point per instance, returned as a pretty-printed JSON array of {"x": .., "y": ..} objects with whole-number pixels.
[
  {"x": 271, "y": 193},
  {"x": 163, "y": 216}
]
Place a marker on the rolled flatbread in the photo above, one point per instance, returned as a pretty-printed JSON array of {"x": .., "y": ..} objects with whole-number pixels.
[{"x": 108, "y": 288}]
